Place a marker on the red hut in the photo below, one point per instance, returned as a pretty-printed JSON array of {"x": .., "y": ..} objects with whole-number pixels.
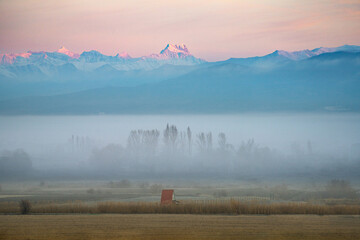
[{"x": 167, "y": 196}]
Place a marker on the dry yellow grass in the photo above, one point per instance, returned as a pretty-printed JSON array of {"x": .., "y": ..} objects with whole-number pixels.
[
  {"x": 233, "y": 207},
  {"x": 165, "y": 226}
]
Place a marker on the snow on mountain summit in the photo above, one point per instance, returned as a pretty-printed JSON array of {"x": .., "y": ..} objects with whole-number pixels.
[
  {"x": 11, "y": 57},
  {"x": 175, "y": 49},
  {"x": 65, "y": 51},
  {"x": 304, "y": 54},
  {"x": 297, "y": 55},
  {"x": 172, "y": 52}
]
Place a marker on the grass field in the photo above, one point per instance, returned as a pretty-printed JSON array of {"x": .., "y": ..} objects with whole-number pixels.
[
  {"x": 156, "y": 226},
  {"x": 231, "y": 207},
  {"x": 111, "y": 210}
]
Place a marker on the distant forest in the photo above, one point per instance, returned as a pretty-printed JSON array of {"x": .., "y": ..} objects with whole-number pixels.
[{"x": 179, "y": 151}]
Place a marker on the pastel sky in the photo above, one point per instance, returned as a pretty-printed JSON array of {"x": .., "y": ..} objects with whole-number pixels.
[{"x": 211, "y": 29}]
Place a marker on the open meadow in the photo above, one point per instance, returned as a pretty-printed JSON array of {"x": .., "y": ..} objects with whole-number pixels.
[
  {"x": 165, "y": 226},
  {"x": 198, "y": 197}
]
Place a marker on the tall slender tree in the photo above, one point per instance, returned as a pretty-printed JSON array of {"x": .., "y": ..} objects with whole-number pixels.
[{"x": 189, "y": 139}]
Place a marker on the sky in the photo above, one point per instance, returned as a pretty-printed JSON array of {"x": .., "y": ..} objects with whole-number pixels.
[{"x": 211, "y": 29}]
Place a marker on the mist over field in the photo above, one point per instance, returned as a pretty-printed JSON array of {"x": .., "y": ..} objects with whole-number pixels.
[
  {"x": 179, "y": 119},
  {"x": 282, "y": 145},
  {"x": 284, "y": 115},
  {"x": 96, "y": 127}
]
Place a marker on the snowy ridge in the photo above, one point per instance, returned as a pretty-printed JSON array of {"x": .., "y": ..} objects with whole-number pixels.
[
  {"x": 175, "y": 50},
  {"x": 91, "y": 60},
  {"x": 304, "y": 54},
  {"x": 67, "y": 52},
  {"x": 52, "y": 63},
  {"x": 10, "y": 58}
]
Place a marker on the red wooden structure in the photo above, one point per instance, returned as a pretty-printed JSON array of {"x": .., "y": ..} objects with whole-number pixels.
[{"x": 167, "y": 196}]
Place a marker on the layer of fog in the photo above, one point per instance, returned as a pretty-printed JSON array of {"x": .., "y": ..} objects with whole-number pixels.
[{"x": 219, "y": 145}]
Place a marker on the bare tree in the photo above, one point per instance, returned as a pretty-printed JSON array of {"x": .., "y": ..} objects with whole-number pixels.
[
  {"x": 201, "y": 142},
  {"x": 167, "y": 137},
  {"x": 204, "y": 142},
  {"x": 173, "y": 136},
  {"x": 247, "y": 148},
  {"x": 222, "y": 141},
  {"x": 134, "y": 140},
  {"x": 189, "y": 139},
  {"x": 170, "y": 138},
  {"x": 150, "y": 139},
  {"x": 224, "y": 146},
  {"x": 143, "y": 142},
  {"x": 182, "y": 141}
]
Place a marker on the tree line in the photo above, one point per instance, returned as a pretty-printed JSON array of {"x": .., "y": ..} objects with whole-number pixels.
[{"x": 173, "y": 148}]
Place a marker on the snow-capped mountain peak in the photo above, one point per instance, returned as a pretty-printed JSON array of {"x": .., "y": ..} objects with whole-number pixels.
[
  {"x": 172, "y": 54},
  {"x": 176, "y": 49},
  {"x": 65, "y": 51},
  {"x": 322, "y": 50},
  {"x": 175, "y": 55},
  {"x": 11, "y": 57},
  {"x": 304, "y": 54},
  {"x": 172, "y": 51},
  {"x": 297, "y": 55}
]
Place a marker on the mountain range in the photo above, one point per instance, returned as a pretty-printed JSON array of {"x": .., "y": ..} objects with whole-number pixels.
[
  {"x": 175, "y": 81},
  {"x": 92, "y": 60}
]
